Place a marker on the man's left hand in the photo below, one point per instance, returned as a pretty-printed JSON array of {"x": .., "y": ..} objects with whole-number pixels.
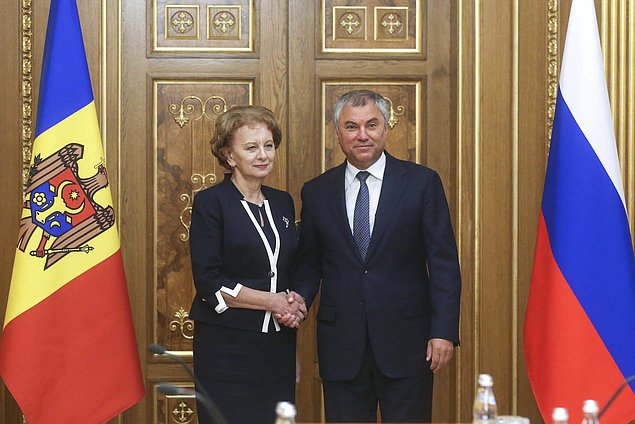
[{"x": 439, "y": 353}]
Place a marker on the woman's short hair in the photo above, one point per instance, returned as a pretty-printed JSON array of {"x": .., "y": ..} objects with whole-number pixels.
[{"x": 229, "y": 122}]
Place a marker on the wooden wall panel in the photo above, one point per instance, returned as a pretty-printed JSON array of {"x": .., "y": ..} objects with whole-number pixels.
[
  {"x": 488, "y": 209},
  {"x": 202, "y": 26},
  {"x": 184, "y": 116},
  {"x": 617, "y": 34},
  {"x": 185, "y": 84},
  {"x": 384, "y": 26},
  {"x": 495, "y": 144},
  {"x": 405, "y": 123},
  {"x": 427, "y": 137},
  {"x": 532, "y": 119},
  {"x": 465, "y": 223},
  {"x": 307, "y": 159},
  {"x": 171, "y": 409}
]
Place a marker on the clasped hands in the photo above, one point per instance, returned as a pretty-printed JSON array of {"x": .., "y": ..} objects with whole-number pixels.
[{"x": 290, "y": 309}]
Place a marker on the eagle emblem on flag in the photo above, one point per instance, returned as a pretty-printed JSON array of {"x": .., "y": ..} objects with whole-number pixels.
[{"x": 62, "y": 206}]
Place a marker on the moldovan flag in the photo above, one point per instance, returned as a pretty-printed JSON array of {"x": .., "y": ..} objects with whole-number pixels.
[
  {"x": 580, "y": 325},
  {"x": 68, "y": 352}
]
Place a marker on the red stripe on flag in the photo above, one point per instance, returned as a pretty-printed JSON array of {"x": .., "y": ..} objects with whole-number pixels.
[
  {"x": 567, "y": 361},
  {"x": 75, "y": 353}
]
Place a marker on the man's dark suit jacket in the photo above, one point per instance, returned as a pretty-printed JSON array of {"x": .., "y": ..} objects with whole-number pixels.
[{"x": 408, "y": 289}]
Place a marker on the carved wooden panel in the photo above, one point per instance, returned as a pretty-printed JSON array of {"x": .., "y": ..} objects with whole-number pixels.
[
  {"x": 215, "y": 26},
  {"x": 404, "y": 124},
  {"x": 379, "y": 26},
  {"x": 184, "y": 116},
  {"x": 175, "y": 409}
]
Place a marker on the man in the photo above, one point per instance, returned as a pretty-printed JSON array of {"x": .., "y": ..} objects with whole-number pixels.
[{"x": 380, "y": 243}]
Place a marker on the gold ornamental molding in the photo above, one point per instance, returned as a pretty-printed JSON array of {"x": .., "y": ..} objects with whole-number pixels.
[
  {"x": 27, "y": 88},
  {"x": 217, "y": 104},
  {"x": 183, "y": 323},
  {"x": 182, "y": 22},
  {"x": 199, "y": 182},
  {"x": 224, "y": 22},
  {"x": 352, "y": 21},
  {"x": 392, "y": 117},
  {"x": 182, "y": 413},
  {"x": 346, "y": 29},
  {"x": 175, "y": 409},
  {"x": 391, "y": 23},
  {"x": 223, "y": 28},
  {"x": 184, "y": 112},
  {"x": 552, "y": 63}
]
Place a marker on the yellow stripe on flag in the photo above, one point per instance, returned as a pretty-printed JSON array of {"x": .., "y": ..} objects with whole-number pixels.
[{"x": 30, "y": 283}]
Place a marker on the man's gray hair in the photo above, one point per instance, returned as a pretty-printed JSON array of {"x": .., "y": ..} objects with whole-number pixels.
[{"x": 359, "y": 98}]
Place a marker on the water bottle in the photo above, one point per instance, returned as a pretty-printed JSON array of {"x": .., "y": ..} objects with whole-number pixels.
[
  {"x": 484, "y": 411},
  {"x": 285, "y": 413},
  {"x": 560, "y": 416},
  {"x": 590, "y": 410}
]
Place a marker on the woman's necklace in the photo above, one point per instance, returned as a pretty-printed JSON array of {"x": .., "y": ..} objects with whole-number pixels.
[
  {"x": 258, "y": 200},
  {"x": 262, "y": 219}
]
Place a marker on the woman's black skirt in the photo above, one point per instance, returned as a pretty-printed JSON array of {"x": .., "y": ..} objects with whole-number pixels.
[{"x": 245, "y": 372}]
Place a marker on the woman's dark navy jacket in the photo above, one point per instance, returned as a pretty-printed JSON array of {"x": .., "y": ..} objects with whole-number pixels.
[{"x": 227, "y": 249}]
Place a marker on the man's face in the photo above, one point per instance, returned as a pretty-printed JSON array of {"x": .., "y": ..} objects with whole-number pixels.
[{"x": 361, "y": 133}]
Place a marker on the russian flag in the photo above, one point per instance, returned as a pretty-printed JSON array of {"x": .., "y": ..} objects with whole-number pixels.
[
  {"x": 579, "y": 331},
  {"x": 68, "y": 350}
]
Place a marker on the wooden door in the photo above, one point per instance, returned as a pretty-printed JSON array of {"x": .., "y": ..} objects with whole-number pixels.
[
  {"x": 294, "y": 57},
  {"x": 401, "y": 49},
  {"x": 199, "y": 59}
]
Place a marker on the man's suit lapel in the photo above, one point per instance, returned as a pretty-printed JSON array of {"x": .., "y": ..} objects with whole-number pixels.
[
  {"x": 337, "y": 205},
  {"x": 392, "y": 189}
]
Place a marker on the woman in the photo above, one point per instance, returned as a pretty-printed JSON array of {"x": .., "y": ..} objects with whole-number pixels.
[{"x": 242, "y": 242}]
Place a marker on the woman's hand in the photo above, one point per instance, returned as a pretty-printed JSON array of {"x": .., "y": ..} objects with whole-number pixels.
[{"x": 291, "y": 311}]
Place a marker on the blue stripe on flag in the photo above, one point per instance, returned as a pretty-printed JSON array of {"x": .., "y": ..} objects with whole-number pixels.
[
  {"x": 590, "y": 238},
  {"x": 65, "y": 86}
]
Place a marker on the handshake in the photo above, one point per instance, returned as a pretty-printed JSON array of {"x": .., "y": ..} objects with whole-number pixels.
[{"x": 289, "y": 309}]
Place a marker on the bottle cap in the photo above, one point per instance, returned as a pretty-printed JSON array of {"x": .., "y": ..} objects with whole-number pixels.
[
  {"x": 485, "y": 380},
  {"x": 560, "y": 414},
  {"x": 285, "y": 410},
  {"x": 590, "y": 407}
]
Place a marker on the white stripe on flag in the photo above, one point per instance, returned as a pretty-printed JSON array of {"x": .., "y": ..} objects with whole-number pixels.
[{"x": 583, "y": 87}]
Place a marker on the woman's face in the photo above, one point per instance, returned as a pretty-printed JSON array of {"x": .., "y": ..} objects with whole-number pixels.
[{"x": 252, "y": 151}]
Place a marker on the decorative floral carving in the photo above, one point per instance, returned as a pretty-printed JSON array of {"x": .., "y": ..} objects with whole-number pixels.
[
  {"x": 392, "y": 118},
  {"x": 391, "y": 23},
  {"x": 552, "y": 64},
  {"x": 186, "y": 108},
  {"x": 203, "y": 182},
  {"x": 183, "y": 413},
  {"x": 27, "y": 92},
  {"x": 183, "y": 323},
  {"x": 350, "y": 22},
  {"x": 224, "y": 21},
  {"x": 182, "y": 21}
]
